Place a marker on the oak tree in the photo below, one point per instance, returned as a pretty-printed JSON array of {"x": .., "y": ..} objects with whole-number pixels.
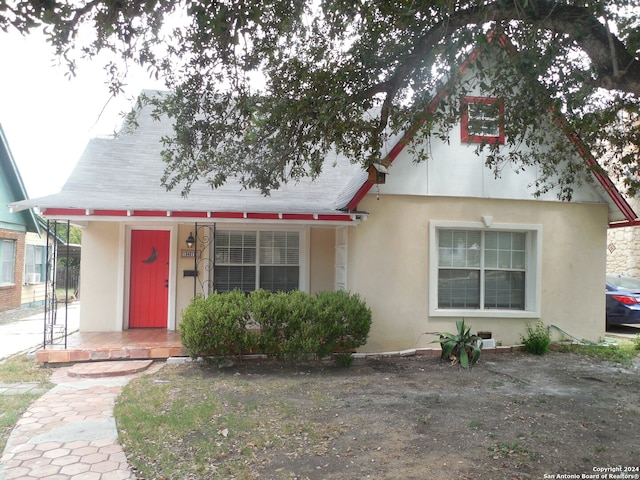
[{"x": 265, "y": 89}]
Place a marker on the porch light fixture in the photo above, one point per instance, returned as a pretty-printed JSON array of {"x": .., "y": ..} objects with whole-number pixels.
[{"x": 190, "y": 240}]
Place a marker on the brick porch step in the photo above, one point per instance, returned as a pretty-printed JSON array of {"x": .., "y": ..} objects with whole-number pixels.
[
  {"x": 134, "y": 353},
  {"x": 108, "y": 369}
]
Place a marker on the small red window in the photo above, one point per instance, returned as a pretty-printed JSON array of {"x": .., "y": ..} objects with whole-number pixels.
[{"x": 482, "y": 120}]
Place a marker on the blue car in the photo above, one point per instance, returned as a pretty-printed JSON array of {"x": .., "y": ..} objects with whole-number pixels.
[{"x": 623, "y": 300}]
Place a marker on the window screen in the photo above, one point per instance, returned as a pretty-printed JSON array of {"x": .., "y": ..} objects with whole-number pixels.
[
  {"x": 248, "y": 260},
  {"x": 481, "y": 270},
  {"x": 7, "y": 258}
]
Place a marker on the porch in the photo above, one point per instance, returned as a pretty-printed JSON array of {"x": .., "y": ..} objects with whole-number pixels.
[{"x": 136, "y": 344}]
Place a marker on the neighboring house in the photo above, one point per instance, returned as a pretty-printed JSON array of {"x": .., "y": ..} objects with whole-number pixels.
[
  {"x": 623, "y": 245},
  {"x": 429, "y": 244},
  {"x": 20, "y": 241},
  {"x": 35, "y": 263}
]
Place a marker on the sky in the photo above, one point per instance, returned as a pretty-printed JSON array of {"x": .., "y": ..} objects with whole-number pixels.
[{"x": 47, "y": 117}]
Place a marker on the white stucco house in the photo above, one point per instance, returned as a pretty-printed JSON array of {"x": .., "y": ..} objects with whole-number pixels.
[{"x": 435, "y": 242}]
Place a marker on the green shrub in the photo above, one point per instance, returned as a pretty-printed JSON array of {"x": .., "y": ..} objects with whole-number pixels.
[
  {"x": 343, "y": 359},
  {"x": 343, "y": 322},
  {"x": 216, "y": 326},
  {"x": 536, "y": 339},
  {"x": 285, "y": 320},
  {"x": 636, "y": 343},
  {"x": 291, "y": 325}
]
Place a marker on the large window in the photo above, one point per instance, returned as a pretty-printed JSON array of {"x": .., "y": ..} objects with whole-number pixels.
[
  {"x": 482, "y": 120},
  {"x": 33, "y": 265},
  {"x": 484, "y": 270},
  {"x": 7, "y": 259},
  {"x": 248, "y": 260}
]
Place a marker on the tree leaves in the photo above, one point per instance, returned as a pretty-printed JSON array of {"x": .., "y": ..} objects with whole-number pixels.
[{"x": 264, "y": 89}]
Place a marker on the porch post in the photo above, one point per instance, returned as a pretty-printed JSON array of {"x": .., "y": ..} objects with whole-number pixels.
[{"x": 195, "y": 262}]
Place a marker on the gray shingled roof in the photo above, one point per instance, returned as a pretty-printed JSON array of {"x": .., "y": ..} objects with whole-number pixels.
[{"x": 124, "y": 172}]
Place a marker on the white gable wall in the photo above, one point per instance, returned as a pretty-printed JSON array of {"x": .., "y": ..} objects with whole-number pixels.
[{"x": 456, "y": 170}]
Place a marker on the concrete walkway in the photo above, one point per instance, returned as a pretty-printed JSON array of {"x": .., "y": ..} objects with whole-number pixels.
[
  {"x": 70, "y": 433},
  {"x": 26, "y": 333}
]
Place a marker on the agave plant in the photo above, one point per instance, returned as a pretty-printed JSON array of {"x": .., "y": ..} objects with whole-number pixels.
[{"x": 461, "y": 347}]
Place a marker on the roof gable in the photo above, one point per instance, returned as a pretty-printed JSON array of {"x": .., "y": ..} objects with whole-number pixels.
[
  {"x": 602, "y": 189},
  {"x": 14, "y": 189}
]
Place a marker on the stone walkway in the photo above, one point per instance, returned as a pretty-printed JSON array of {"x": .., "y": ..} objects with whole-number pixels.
[
  {"x": 70, "y": 433},
  {"x": 22, "y": 388}
]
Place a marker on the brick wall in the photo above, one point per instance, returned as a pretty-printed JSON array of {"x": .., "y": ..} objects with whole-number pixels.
[{"x": 10, "y": 296}]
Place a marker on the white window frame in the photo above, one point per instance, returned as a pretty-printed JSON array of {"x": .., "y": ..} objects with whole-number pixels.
[
  {"x": 533, "y": 270},
  {"x": 303, "y": 253},
  {"x": 4, "y": 242},
  {"x": 35, "y": 267}
]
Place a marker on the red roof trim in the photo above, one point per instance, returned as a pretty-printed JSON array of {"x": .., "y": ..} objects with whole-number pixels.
[
  {"x": 189, "y": 214},
  {"x": 148, "y": 213},
  {"x": 632, "y": 223},
  {"x": 78, "y": 212},
  {"x": 397, "y": 148},
  {"x": 263, "y": 216},
  {"x": 600, "y": 175},
  {"x": 64, "y": 212}
]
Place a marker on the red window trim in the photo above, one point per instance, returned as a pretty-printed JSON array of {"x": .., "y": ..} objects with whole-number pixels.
[{"x": 465, "y": 136}]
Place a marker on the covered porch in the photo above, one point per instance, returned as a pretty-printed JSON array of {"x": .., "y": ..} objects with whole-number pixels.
[{"x": 135, "y": 344}]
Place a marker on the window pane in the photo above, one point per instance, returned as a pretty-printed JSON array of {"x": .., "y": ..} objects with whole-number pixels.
[
  {"x": 237, "y": 261},
  {"x": 222, "y": 238},
  {"x": 222, "y": 255},
  {"x": 504, "y": 240},
  {"x": 235, "y": 247},
  {"x": 228, "y": 278},
  {"x": 504, "y": 259},
  {"x": 500, "y": 272},
  {"x": 504, "y": 290},
  {"x": 484, "y": 119},
  {"x": 236, "y": 239},
  {"x": 293, "y": 240},
  {"x": 235, "y": 255},
  {"x": 279, "y": 248},
  {"x": 293, "y": 255},
  {"x": 29, "y": 261},
  {"x": 491, "y": 240},
  {"x": 249, "y": 239},
  {"x": 458, "y": 288},
  {"x": 504, "y": 250},
  {"x": 39, "y": 257},
  {"x": 518, "y": 260},
  {"x": 249, "y": 255},
  {"x": 279, "y": 279},
  {"x": 458, "y": 248},
  {"x": 518, "y": 241},
  {"x": 6, "y": 265}
]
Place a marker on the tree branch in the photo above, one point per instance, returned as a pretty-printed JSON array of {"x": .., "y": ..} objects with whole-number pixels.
[{"x": 603, "y": 48}]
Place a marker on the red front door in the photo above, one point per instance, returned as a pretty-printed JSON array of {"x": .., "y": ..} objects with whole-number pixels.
[{"x": 149, "y": 281}]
